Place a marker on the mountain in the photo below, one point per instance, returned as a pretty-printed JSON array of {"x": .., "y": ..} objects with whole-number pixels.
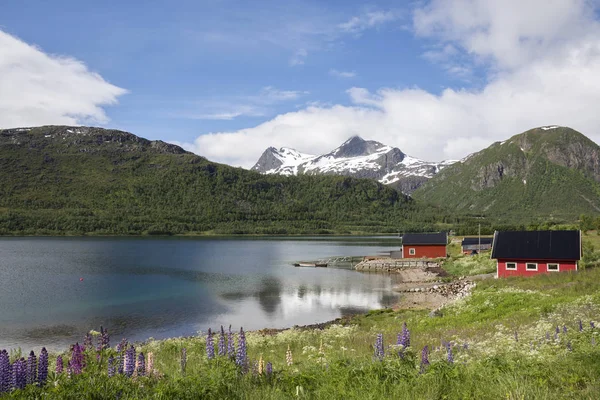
[
  {"x": 551, "y": 171},
  {"x": 84, "y": 180},
  {"x": 357, "y": 158}
]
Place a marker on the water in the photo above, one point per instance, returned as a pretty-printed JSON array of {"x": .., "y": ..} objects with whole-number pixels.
[{"x": 163, "y": 287}]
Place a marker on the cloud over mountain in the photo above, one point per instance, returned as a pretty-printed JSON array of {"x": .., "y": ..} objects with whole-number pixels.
[
  {"x": 539, "y": 68},
  {"x": 37, "y": 88}
]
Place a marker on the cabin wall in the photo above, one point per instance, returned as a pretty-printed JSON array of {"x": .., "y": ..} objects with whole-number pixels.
[
  {"x": 469, "y": 248},
  {"x": 542, "y": 267},
  {"x": 423, "y": 251}
]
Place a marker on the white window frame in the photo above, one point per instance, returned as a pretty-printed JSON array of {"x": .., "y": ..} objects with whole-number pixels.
[
  {"x": 553, "y": 270},
  {"x": 511, "y": 269},
  {"x": 529, "y": 269},
  {"x": 412, "y": 251}
]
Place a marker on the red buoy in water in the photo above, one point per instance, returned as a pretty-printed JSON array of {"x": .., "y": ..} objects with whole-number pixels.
[{"x": 80, "y": 279}]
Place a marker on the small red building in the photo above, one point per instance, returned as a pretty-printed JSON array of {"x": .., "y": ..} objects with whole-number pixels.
[
  {"x": 424, "y": 245},
  {"x": 526, "y": 253},
  {"x": 475, "y": 245}
]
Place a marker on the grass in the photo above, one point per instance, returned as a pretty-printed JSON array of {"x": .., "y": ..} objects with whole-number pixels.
[
  {"x": 459, "y": 264},
  {"x": 338, "y": 363}
]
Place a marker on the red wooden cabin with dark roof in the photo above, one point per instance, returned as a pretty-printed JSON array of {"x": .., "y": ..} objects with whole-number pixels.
[
  {"x": 526, "y": 253},
  {"x": 424, "y": 245}
]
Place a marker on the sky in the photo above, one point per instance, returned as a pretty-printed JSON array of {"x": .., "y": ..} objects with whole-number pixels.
[{"x": 226, "y": 79}]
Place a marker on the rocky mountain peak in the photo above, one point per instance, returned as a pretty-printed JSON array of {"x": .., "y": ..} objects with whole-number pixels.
[
  {"x": 356, "y": 157},
  {"x": 355, "y": 147},
  {"x": 268, "y": 160}
]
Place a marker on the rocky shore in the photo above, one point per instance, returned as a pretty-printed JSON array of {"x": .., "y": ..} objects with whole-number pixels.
[{"x": 424, "y": 283}]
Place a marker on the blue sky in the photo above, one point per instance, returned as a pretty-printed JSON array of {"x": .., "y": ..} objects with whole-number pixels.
[{"x": 227, "y": 78}]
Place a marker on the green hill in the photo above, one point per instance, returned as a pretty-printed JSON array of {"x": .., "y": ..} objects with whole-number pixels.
[
  {"x": 550, "y": 172},
  {"x": 80, "y": 180}
]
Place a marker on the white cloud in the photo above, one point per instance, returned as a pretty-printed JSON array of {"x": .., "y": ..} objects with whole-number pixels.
[
  {"x": 237, "y": 106},
  {"x": 541, "y": 70},
  {"x": 298, "y": 57},
  {"x": 368, "y": 20},
  {"x": 342, "y": 74},
  {"x": 510, "y": 33},
  {"x": 37, "y": 88}
]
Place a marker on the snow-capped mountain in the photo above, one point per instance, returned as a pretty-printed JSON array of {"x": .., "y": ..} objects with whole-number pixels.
[{"x": 355, "y": 157}]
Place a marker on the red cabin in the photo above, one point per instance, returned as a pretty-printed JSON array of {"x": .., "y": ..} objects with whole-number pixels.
[
  {"x": 526, "y": 253},
  {"x": 475, "y": 245},
  {"x": 424, "y": 245}
]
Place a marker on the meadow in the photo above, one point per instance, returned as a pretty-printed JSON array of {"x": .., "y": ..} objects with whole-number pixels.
[{"x": 518, "y": 338}]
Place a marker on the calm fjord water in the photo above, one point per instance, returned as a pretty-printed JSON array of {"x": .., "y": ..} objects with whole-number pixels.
[{"x": 162, "y": 287}]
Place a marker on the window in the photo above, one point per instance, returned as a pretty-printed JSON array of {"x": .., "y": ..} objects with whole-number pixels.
[
  {"x": 412, "y": 252},
  {"x": 531, "y": 267},
  {"x": 511, "y": 266},
  {"x": 553, "y": 267}
]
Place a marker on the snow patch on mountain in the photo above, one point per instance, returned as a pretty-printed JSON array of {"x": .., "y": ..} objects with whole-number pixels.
[{"x": 355, "y": 157}]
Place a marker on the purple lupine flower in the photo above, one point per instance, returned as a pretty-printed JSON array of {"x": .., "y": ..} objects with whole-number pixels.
[
  {"x": 449, "y": 351},
  {"x": 210, "y": 345},
  {"x": 120, "y": 363},
  {"x": 59, "y": 365},
  {"x": 129, "y": 361},
  {"x": 424, "y": 358},
  {"x": 516, "y": 336},
  {"x": 557, "y": 329},
  {"x": 592, "y": 325},
  {"x": 379, "y": 352},
  {"x": 19, "y": 374},
  {"x": 242, "y": 355},
  {"x": 399, "y": 342},
  {"x": 580, "y": 326},
  {"x": 221, "y": 344},
  {"x": 111, "y": 366},
  {"x": 43, "y": 367},
  {"x": 141, "y": 365},
  {"x": 564, "y": 329},
  {"x": 466, "y": 346},
  {"x": 183, "y": 360},
  {"x": 5, "y": 372},
  {"x": 31, "y": 368},
  {"x": 104, "y": 338},
  {"x": 87, "y": 341},
  {"x": 569, "y": 347},
  {"x": 405, "y": 340},
  {"x": 77, "y": 361},
  {"x": 122, "y": 346},
  {"x": 230, "y": 344},
  {"x": 269, "y": 369}
]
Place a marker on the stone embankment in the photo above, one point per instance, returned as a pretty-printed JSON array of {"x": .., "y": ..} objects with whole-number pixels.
[
  {"x": 394, "y": 265},
  {"x": 456, "y": 290}
]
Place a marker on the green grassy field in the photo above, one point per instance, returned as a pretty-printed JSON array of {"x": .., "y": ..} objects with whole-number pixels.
[{"x": 503, "y": 341}]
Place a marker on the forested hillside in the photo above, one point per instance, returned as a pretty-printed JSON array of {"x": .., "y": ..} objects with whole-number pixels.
[{"x": 80, "y": 180}]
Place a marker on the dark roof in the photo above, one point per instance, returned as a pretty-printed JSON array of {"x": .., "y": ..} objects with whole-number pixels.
[
  {"x": 425, "y": 238},
  {"x": 469, "y": 241},
  {"x": 541, "y": 245}
]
